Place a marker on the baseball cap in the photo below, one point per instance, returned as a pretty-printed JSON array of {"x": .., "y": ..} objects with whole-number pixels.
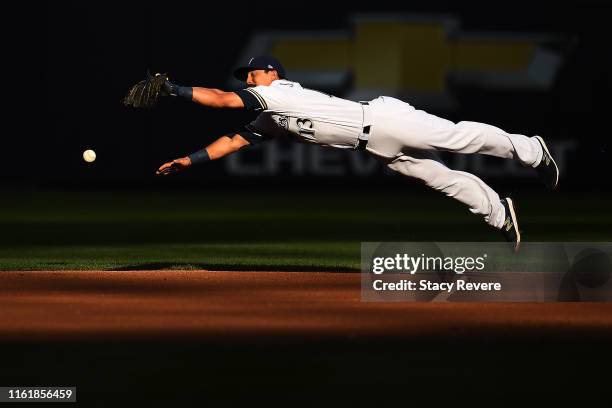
[{"x": 260, "y": 62}]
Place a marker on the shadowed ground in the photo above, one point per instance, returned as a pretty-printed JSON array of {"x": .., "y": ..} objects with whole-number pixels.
[
  {"x": 259, "y": 306},
  {"x": 183, "y": 338}
]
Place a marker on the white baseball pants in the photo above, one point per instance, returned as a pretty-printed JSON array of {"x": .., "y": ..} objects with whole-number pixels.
[{"x": 404, "y": 139}]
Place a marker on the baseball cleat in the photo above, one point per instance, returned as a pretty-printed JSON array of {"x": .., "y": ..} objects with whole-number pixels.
[
  {"x": 547, "y": 169},
  {"x": 510, "y": 229}
]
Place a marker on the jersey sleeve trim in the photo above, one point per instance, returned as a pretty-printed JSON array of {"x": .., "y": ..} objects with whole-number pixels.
[
  {"x": 252, "y": 135},
  {"x": 250, "y": 101},
  {"x": 261, "y": 100}
]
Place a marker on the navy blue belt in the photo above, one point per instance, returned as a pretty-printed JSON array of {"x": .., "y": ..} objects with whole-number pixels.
[{"x": 363, "y": 139}]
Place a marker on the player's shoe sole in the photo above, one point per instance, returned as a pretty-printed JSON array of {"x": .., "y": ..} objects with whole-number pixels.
[
  {"x": 547, "y": 169},
  {"x": 510, "y": 229}
]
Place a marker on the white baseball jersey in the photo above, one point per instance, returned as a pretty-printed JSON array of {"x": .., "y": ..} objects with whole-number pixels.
[
  {"x": 309, "y": 115},
  {"x": 397, "y": 133}
]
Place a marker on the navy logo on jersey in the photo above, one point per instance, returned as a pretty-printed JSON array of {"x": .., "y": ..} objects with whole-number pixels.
[{"x": 283, "y": 122}]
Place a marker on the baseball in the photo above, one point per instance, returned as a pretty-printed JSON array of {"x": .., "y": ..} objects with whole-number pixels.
[{"x": 89, "y": 156}]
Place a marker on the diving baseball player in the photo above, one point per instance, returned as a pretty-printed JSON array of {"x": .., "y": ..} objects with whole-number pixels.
[{"x": 393, "y": 131}]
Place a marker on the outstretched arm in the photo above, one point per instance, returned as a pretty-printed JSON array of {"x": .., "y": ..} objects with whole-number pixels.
[
  {"x": 213, "y": 98},
  {"x": 219, "y": 148},
  {"x": 216, "y": 98}
]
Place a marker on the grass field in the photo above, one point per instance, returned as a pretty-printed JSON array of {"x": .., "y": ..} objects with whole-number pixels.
[{"x": 288, "y": 231}]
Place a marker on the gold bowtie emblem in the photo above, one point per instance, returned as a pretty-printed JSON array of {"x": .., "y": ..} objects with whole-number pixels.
[{"x": 508, "y": 224}]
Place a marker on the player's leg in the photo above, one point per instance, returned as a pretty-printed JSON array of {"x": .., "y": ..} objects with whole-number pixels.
[
  {"x": 475, "y": 137},
  {"x": 398, "y": 126},
  {"x": 463, "y": 187}
]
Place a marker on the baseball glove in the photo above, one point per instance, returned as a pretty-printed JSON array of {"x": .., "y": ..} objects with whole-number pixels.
[{"x": 146, "y": 92}]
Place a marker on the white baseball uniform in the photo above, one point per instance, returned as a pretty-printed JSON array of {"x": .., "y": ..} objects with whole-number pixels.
[{"x": 396, "y": 133}]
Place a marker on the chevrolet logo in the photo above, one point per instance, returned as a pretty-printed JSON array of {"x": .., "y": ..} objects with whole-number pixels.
[{"x": 411, "y": 56}]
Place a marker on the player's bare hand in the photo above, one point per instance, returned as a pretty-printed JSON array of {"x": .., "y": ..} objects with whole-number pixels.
[{"x": 173, "y": 166}]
